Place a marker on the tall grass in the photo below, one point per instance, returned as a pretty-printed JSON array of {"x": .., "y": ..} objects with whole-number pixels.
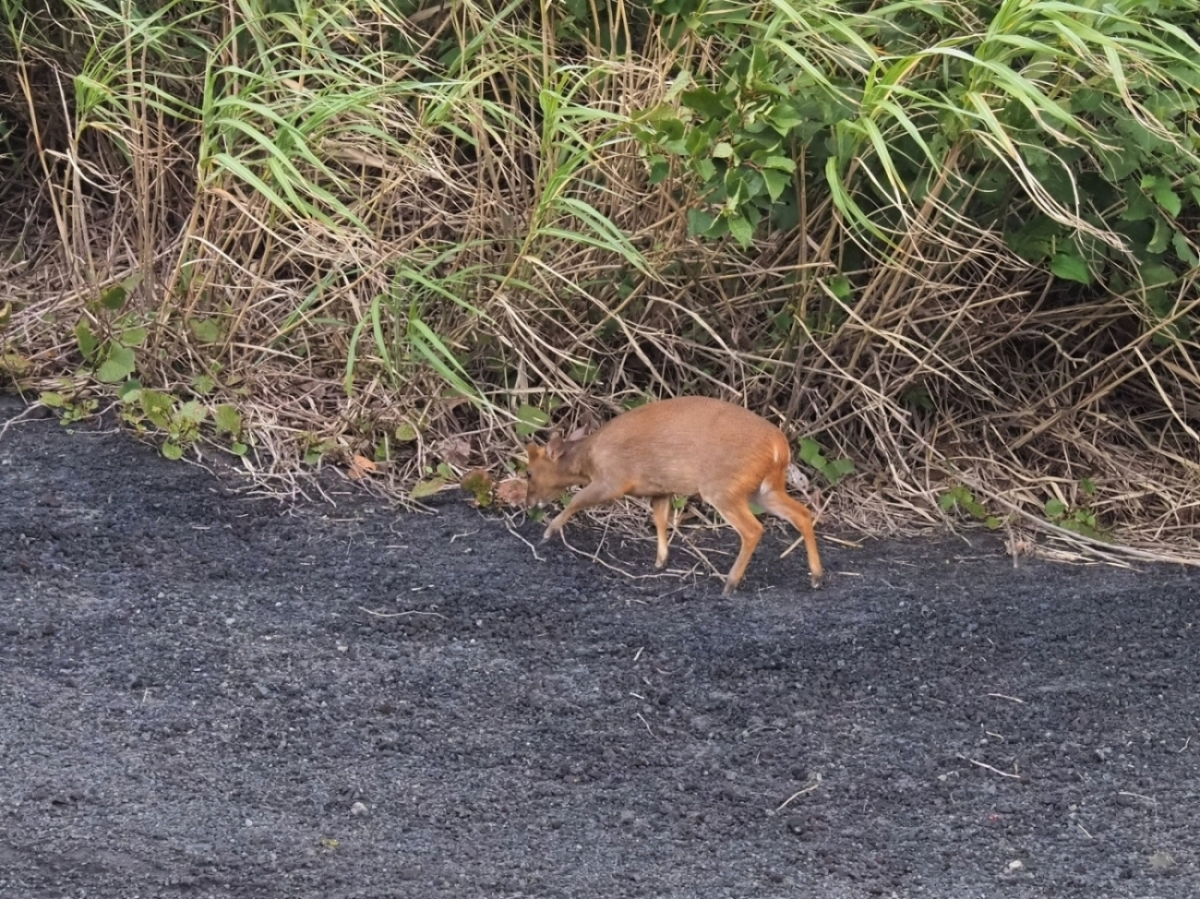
[{"x": 954, "y": 242}]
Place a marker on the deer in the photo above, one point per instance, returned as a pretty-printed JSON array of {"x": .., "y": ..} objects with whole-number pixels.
[{"x": 686, "y": 446}]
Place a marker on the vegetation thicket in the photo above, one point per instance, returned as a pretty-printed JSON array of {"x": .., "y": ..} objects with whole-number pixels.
[{"x": 951, "y": 246}]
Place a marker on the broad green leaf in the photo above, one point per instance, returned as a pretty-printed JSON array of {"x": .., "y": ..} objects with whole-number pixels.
[
  {"x": 780, "y": 163},
  {"x": 133, "y": 337},
  {"x": 841, "y": 467},
  {"x": 1183, "y": 249},
  {"x": 207, "y": 330},
  {"x": 777, "y": 182},
  {"x": 533, "y": 415},
  {"x": 1138, "y": 206},
  {"x": 172, "y": 451},
  {"x": 114, "y": 298},
  {"x": 1159, "y": 302},
  {"x": 741, "y": 229},
  {"x": 1055, "y": 509},
  {"x": 810, "y": 453},
  {"x": 15, "y": 364},
  {"x": 1071, "y": 267},
  {"x": 530, "y": 419},
  {"x": 1155, "y": 273},
  {"x": 227, "y": 419},
  {"x": 119, "y": 365},
  {"x": 783, "y": 119},
  {"x": 158, "y": 406},
  {"x": 718, "y": 229},
  {"x": 1162, "y": 236},
  {"x": 427, "y": 488},
  {"x": 699, "y": 222},
  {"x": 1034, "y": 241},
  {"x": 707, "y": 102},
  {"x": 406, "y": 432},
  {"x": 841, "y": 288},
  {"x": 1166, "y": 197},
  {"x": 192, "y": 411},
  {"x": 86, "y": 340}
]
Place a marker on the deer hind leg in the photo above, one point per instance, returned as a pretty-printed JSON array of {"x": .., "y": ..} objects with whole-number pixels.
[
  {"x": 661, "y": 506},
  {"x": 776, "y": 501},
  {"x": 736, "y": 511}
]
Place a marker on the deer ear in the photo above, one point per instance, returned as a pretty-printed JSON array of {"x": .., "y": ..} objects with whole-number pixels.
[
  {"x": 554, "y": 449},
  {"x": 578, "y": 434},
  {"x": 532, "y": 451}
]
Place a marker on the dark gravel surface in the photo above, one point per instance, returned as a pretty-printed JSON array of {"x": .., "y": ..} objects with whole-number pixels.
[{"x": 195, "y": 701}]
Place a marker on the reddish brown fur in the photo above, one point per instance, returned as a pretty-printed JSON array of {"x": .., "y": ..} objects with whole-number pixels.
[{"x": 684, "y": 447}]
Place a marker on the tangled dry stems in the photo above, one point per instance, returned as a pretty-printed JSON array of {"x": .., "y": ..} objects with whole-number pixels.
[{"x": 1004, "y": 423}]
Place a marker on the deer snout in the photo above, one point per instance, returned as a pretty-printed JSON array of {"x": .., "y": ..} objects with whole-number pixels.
[{"x": 533, "y": 497}]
